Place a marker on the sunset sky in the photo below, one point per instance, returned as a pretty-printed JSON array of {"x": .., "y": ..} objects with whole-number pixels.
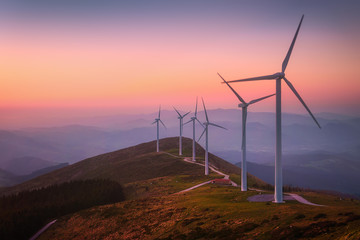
[{"x": 131, "y": 56}]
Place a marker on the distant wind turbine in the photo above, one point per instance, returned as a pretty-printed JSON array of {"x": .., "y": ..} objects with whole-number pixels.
[
  {"x": 244, "y": 105},
  {"x": 206, "y": 130},
  {"x": 193, "y": 119},
  {"x": 181, "y": 117},
  {"x": 157, "y": 120},
  {"x": 278, "y": 195}
]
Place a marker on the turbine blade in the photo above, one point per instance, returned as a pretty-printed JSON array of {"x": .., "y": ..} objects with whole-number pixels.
[
  {"x": 286, "y": 60},
  {"x": 159, "y": 111},
  {"x": 207, "y": 119},
  {"x": 188, "y": 122},
  {"x": 202, "y": 134},
  {"x": 267, "y": 77},
  {"x": 196, "y": 107},
  {"x": 215, "y": 125},
  {"x": 301, "y": 100},
  {"x": 163, "y": 124},
  {"x": 154, "y": 122},
  {"x": 200, "y": 122},
  {"x": 177, "y": 111},
  {"x": 259, "y": 99},
  {"x": 238, "y": 96},
  {"x": 185, "y": 114}
]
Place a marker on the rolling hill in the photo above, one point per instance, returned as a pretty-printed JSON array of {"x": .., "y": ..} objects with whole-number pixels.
[{"x": 137, "y": 163}]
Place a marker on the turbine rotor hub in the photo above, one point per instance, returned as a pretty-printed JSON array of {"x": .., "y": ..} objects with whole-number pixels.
[
  {"x": 280, "y": 74},
  {"x": 241, "y": 105}
]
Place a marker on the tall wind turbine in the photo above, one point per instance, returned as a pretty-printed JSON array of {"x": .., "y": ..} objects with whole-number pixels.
[
  {"x": 278, "y": 195},
  {"x": 157, "y": 120},
  {"x": 181, "y": 118},
  {"x": 206, "y": 130},
  {"x": 193, "y": 119},
  {"x": 244, "y": 105}
]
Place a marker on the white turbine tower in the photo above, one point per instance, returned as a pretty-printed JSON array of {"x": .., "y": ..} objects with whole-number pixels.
[
  {"x": 181, "y": 118},
  {"x": 206, "y": 130},
  {"x": 193, "y": 119},
  {"x": 278, "y": 195},
  {"x": 157, "y": 120},
  {"x": 244, "y": 105}
]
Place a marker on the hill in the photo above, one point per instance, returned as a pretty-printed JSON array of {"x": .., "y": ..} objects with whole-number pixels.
[
  {"x": 129, "y": 165},
  {"x": 7, "y": 178},
  {"x": 153, "y": 211},
  {"x": 26, "y": 165}
]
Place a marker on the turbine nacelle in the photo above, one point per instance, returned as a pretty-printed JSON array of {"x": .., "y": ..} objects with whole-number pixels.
[
  {"x": 280, "y": 75},
  {"x": 242, "y": 105}
]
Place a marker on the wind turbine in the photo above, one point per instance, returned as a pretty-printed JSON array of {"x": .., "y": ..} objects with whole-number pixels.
[
  {"x": 181, "y": 117},
  {"x": 206, "y": 130},
  {"x": 157, "y": 120},
  {"x": 193, "y": 119},
  {"x": 244, "y": 105},
  {"x": 278, "y": 195}
]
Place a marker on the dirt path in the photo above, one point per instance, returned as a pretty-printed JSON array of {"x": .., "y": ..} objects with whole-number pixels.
[
  {"x": 42, "y": 230},
  {"x": 257, "y": 198},
  {"x": 303, "y": 200}
]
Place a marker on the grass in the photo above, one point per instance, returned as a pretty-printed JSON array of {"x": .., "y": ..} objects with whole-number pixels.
[{"x": 211, "y": 212}]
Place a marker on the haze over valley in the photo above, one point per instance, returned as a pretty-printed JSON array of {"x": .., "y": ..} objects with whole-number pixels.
[{"x": 310, "y": 154}]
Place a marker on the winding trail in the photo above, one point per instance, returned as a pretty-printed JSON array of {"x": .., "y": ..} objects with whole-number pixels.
[
  {"x": 291, "y": 196},
  {"x": 42, "y": 230},
  {"x": 212, "y": 168}
]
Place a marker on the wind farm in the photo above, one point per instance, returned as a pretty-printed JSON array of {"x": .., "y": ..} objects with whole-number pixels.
[{"x": 97, "y": 140}]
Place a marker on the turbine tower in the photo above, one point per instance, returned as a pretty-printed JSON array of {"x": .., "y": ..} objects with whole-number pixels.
[
  {"x": 193, "y": 119},
  {"x": 278, "y": 195},
  {"x": 181, "y": 117},
  {"x": 157, "y": 120},
  {"x": 244, "y": 105},
  {"x": 206, "y": 130}
]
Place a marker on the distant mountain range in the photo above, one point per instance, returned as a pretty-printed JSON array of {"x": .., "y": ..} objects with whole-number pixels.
[{"x": 8, "y": 179}]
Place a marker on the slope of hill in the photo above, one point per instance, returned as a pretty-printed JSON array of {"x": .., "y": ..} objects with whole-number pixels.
[
  {"x": 212, "y": 212},
  {"x": 129, "y": 165}
]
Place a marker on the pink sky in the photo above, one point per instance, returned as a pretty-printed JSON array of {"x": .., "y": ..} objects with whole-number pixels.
[{"x": 138, "y": 64}]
